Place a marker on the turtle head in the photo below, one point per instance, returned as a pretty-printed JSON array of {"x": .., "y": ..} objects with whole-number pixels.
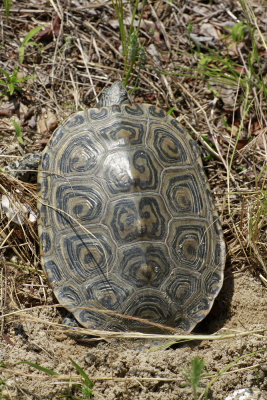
[{"x": 115, "y": 94}]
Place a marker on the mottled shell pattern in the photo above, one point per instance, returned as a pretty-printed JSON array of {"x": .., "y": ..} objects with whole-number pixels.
[{"x": 127, "y": 222}]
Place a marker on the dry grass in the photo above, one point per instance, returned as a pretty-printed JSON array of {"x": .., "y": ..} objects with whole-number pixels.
[{"x": 216, "y": 87}]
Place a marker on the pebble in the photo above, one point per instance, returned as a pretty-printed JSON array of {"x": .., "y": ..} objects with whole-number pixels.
[{"x": 245, "y": 394}]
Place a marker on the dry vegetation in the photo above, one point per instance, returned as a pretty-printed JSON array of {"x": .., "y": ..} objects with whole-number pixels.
[{"x": 204, "y": 61}]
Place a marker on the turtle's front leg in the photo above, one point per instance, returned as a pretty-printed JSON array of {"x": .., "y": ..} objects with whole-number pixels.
[{"x": 25, "y": 169}]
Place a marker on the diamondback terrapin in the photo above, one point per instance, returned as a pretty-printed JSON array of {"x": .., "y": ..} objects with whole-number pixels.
[{"x": 127, "y": 224}]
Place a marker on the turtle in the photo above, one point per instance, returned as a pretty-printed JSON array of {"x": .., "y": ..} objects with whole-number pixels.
[{"x": 129, "y": 235}]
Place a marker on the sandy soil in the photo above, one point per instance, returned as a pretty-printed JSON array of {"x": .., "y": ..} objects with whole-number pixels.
[{"x": 121, "y": 370}]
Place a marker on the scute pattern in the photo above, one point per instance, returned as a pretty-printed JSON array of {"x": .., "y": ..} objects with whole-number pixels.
[
  {"x": 136, "y": 172},
  {"x": 123, "y": 133},
  {"x": 83, "y": 203},
  {"x": 182, "y": 191},
  {"x": 138, "y": 218},
  {"x": 127, "y": 223},
  {"x": 143, "y": 265}
]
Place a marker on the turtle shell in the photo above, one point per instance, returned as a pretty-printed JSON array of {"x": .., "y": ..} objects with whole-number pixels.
[{"x": 127, "y": 224}]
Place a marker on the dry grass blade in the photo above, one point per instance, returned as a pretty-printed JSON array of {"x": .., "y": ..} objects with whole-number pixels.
[{"x": 205, "y": 64}]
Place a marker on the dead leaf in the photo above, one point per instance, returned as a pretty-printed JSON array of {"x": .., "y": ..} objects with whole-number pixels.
[
  {"x": 7, "y": 110},
  {"x": 47, "y": 123},
  {"x": 209, "y": 30},
  {"x": 241, "y": 143},
  {"x": 47, "y": 34},
  {"x": 226, "y": 92}
]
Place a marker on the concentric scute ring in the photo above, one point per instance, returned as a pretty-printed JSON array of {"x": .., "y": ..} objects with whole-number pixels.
[
  {"x": 81, "y": 204},
  {"x": 146, "y": 265},
  {"x": 137, "y": 218},
  {"x": 131, "y": 171}
]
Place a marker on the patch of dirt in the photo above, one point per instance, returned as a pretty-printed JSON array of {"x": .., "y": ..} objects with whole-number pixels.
[{"x": 125, "y": 369}]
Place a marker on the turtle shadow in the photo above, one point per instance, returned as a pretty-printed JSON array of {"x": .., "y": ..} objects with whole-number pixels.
[{"x": 220, "y": 310}]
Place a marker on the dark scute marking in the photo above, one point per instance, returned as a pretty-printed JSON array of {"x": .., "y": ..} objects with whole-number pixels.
[
  {"x": 210, "y": 198},
  {"x": 142, "y": 163},
  {"x": 199, "y": 309},
  {"x": 125, "y": 175},
  {"x": 115, "y": 108},
  {"x": 184, "y": 194},
  {"x": 116, "y": 325},
  {"x": 88, "y": 255},
  {"x": 219, "y": 254},
  {"x": 134, "y": 109},
  {"x": 182, "y": 323},
  {"x": 52, "y": 271},
  {"x": 43, "y": 185},
  {"x": 109, "y": 294},
  {"x": 217, "y": 225},
  {"x": 45, "y": 242},
  {"x": 97, "y": 114},
  {"x": 189, "y": 245},
  {"x": 68, "y": 297},
  {"x": 156, "y": 112},
  {"x": 123, "y": 133},
  {"x": 145, "y": 266},
  {"x": 149, "y": 307},
  {"x": 80, "y": 155},
  {"x": 168, "y": 147},
  {"x": 92, "y": 319},
  {"x": 213, "y": 284},
  {"x": 74, "y": 120},
  {"x": 124, "y": 221},
  {"x": 152, "y": 216},
  {"x": 133, "y": 221},
  {"x": 57, "y": 135},
  {"x": 177, "y": 126},
  {"x": 43, "y": 214},
  {"x": 45, "y": 162},
  {"x": 194, "y": 148},
  {"x": 82, "y": 203},
  {"x": 203, "y": 179},
  {"x": 182, "y": 287}
]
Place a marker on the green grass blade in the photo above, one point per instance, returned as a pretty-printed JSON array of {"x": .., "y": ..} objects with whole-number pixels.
[
  {"x": 83, "y": 374},
  {"x": 225, "y": 369},
  {"x": 5, "y": 73},
  {"x": 169, "y": 112},
  {"x": 7, "y": 5},
  {"x": 13, "y": 77},
  {"x": 26, "y": 41},
  {"x": 30, "y": 34},
  {"x": 11, "y": 88},
  {"x": 24, "y": 79},
  {"x": 40, "y": 368},
  {"x": 18, "y": 131},
  {"x": 21, "y": 54}
]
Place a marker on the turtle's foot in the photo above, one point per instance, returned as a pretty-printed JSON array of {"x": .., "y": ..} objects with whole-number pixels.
[
  {"x": 71, "y": 322},
  {"x": 25, "y": 169}
]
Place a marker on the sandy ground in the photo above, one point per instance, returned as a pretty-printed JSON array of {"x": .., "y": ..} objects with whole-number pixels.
[{"x": 128, "y": 370}]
